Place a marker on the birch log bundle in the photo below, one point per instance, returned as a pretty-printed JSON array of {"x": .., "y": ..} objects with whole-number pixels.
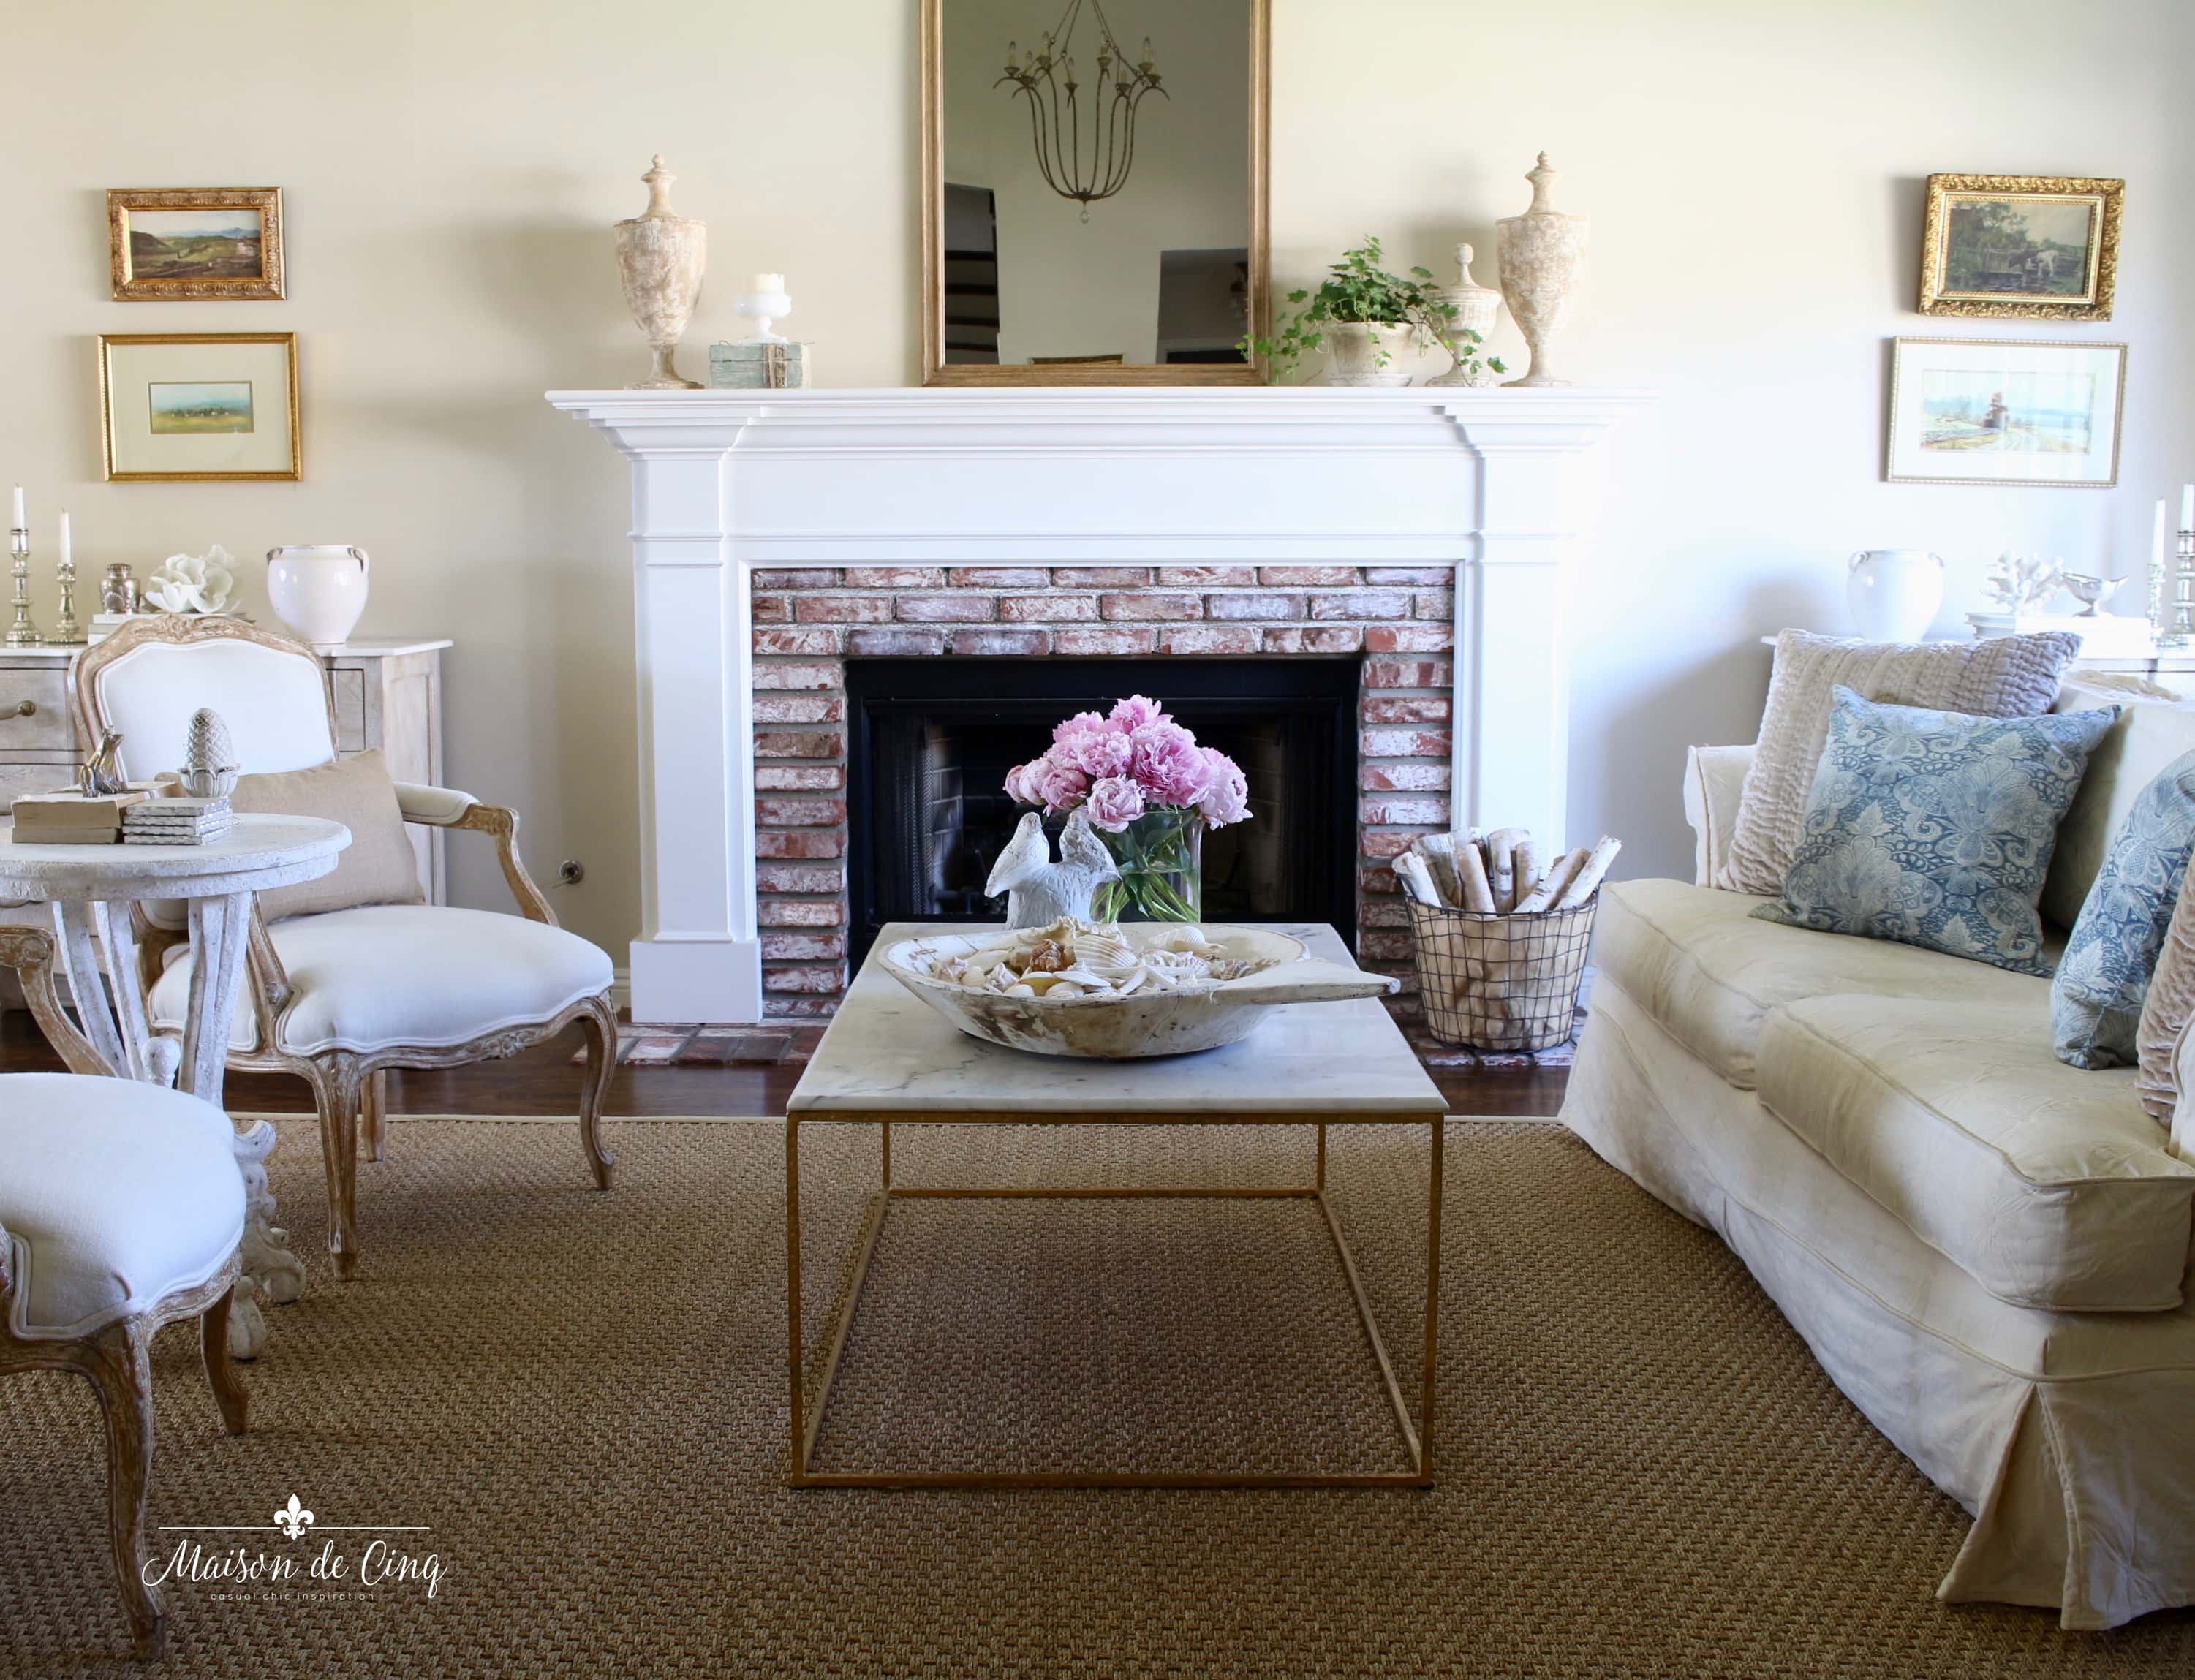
[
  {"x": 1504, "y": 872},
  {"x": 1504, "y": 976}
]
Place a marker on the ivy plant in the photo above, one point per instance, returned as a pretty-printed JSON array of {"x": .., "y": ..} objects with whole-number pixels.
[{"x": 1356, "y": 289}]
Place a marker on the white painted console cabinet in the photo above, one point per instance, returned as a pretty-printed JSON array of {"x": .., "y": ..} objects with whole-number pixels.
[
  {"x": 389, "y": 694},
  {"x": 1499, "y": 483}
]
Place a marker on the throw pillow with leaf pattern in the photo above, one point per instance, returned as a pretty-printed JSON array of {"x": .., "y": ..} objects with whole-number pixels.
[
  {"x": 2103, "y": 979},
  {"x": 1935, "y": 828}
]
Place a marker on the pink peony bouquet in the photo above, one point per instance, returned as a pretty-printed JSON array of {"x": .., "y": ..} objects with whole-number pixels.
[{"x": 1134, "y": 760}]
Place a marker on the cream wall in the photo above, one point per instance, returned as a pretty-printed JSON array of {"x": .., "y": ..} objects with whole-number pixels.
[{"x": 450, "y": 170}]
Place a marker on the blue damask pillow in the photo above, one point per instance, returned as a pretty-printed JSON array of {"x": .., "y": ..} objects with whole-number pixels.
[
  {"x": 2096, "y": 998},
  {"x": 1934, "y": 828}
]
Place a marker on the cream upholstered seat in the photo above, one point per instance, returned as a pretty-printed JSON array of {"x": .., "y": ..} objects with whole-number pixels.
[
  {"x": 387, "y": 976},
  {"x": 339, "y": 997},
  {"x": 2048, "y": 1185},
  {"x": 121, "y": 1210},
  {"x": 1698, "y": 962},
  {"x": 115, "y": 1195}
]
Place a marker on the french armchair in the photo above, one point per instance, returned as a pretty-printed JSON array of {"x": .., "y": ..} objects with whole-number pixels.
[
  {"x": 339, "y": 997},
  {"x": 121, "y": 1211}
]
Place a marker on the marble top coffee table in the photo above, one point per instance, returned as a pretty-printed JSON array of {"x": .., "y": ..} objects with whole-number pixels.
[{"x": 888, "y": 1058}]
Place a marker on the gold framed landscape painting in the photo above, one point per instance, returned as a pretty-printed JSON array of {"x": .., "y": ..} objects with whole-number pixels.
[
  {"x": 221, "y": 242},
  {"x": 1979, "y": 410},
  {"x": 199, "y": 405},
  {"x": 2010, "y": 246}
]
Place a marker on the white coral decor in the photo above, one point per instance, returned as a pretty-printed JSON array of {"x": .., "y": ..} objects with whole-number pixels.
[{"x": 193, "y": 583}]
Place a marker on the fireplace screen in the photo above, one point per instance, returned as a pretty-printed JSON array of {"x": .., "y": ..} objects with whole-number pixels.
[{"x": 930, "y": 742}]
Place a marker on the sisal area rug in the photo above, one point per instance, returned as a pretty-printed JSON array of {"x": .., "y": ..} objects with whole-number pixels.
[{"x": 574, "y": 1405}]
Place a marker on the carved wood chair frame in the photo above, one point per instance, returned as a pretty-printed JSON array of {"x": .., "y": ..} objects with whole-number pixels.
[
  {"x": 349, "y": 1092},
  {"x": 117, "y": 1358}
]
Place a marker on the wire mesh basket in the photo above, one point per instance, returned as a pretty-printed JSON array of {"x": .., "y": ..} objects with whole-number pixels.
[{"x": 1501, "y": 982}]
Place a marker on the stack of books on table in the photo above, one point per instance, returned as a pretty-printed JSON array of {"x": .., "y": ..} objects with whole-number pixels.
[
  {"x": 72, "y": 819},
  {"x": 177, "y": 821}
]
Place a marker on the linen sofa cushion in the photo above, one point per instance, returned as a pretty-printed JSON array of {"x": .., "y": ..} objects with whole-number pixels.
[
  {"x": 115, "y": 1194},
  {"x": 2046, "y": 1185},
  {"x": 377, "y": 867},
  {"x": 1935, "y": 828},
  {"x": 418, "y": 975},
  {"x": 2097, "y": 994},
  {"x": 2006, "y": 676},
  {"x": 1709, "y": 974},
  {"x": 2154, "y": 729}
]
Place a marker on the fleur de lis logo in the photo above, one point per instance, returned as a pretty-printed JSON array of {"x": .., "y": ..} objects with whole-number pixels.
[{"x": 293, "y": 1520}]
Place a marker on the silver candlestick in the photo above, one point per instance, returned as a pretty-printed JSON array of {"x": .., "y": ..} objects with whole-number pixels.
[
  {"x": 2183, "y": 593},
  {"x": 22, "y": 633},
  {"x": 66, "y": 631}
]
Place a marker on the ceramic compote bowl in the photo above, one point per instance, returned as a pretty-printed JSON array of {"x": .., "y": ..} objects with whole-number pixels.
[{"x": 1118, "y": 994}]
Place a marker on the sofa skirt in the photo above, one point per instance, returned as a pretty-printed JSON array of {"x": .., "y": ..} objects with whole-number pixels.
[{"x": 2069, "y": 1436}]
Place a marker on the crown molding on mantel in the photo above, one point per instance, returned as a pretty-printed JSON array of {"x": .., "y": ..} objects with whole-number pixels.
[
  {"x": 1030, "y": 420},
  {"x": 1493, "y": 483}
]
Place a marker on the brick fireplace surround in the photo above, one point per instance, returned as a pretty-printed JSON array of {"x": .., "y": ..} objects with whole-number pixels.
[
  {"x": 777, "y": 534},
  {"x": 808, "y": 621}
]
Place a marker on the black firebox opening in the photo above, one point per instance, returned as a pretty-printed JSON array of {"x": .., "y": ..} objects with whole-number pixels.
[{"x": 930, "y": 742}]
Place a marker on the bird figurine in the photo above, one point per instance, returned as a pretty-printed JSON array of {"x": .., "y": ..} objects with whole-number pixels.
[
  {"x": 1038, "y": 891},
  {"x": 101, "y": 773}
]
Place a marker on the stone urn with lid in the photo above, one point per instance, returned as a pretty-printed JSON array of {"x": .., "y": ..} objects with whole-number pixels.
[
  {"x": 1476, "y": 306},
  {"x": 1542, "y": 253},
  {"x": 661, "y": 257}
]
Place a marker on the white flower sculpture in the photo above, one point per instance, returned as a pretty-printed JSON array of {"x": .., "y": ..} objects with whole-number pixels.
[{"x": 193, "y": 583}]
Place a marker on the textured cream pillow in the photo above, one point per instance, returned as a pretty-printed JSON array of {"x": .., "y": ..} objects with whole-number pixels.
[
  {"x": 2006, "y": 676},
  {"x": 2166, "y": 1009},
  {"x": 2155, "y": 728},
  {"x": 377, "y": 867}
]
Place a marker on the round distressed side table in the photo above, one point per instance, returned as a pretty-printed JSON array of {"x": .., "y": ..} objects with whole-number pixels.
[{"x": 92, "y": 889}]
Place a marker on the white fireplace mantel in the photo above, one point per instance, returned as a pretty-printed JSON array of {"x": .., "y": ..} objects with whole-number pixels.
[{"x": 1498, "y": 483}]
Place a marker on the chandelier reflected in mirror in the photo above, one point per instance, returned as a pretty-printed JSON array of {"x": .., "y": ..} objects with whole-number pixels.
[{"x": 1086, "y": 168}]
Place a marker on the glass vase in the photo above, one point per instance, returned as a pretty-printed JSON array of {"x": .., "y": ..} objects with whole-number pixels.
[{"x": 1160, "y": 859}]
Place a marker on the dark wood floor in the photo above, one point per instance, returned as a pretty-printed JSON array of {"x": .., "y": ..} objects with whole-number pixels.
[{"x": 546, "y": 1080}]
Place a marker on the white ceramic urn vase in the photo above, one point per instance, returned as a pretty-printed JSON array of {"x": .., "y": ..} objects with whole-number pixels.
[
  {"x": 318, "y": 591},
  {"x": 1354, "y": 349},
  {"x": 1894, "y": 593}
]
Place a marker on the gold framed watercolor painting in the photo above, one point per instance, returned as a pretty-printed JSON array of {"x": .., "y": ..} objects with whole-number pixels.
[
  {"x": 167, "y": 243},
  {"x": 199, "y": 405},
  {"x": 1989, "y": 411},
  {"x": 2038, "y": 247}
]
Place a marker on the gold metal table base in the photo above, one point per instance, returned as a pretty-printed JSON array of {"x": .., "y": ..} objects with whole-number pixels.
[{"x": 807, "y": 1419}]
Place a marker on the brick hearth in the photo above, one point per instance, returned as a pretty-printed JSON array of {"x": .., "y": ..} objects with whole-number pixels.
[{"x": 808, "y": 621}]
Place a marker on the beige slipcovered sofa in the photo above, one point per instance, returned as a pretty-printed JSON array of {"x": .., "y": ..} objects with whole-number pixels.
[{"x": 1987, "y": 1250}]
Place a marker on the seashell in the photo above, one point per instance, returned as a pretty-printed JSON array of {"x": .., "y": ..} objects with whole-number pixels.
[{"x": 1106, "y": 954}]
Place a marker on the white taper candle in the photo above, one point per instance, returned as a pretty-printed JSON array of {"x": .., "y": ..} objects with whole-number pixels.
[
  {"x": 66, "y": 556},
  {"x": 19, "y": 525}
]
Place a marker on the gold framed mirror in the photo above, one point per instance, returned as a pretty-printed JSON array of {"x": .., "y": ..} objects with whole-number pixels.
[{"x": 1093, "y": 191}]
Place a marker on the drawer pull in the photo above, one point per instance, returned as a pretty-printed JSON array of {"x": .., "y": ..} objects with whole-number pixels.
[{"x": 20, "y": 709}]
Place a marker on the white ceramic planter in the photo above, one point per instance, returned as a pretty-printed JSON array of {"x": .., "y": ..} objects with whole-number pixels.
[
  {"x": 1894, "y": 593},
  {"x": 1353, "y": 349},
  {"x": 318, "y": 591}
]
